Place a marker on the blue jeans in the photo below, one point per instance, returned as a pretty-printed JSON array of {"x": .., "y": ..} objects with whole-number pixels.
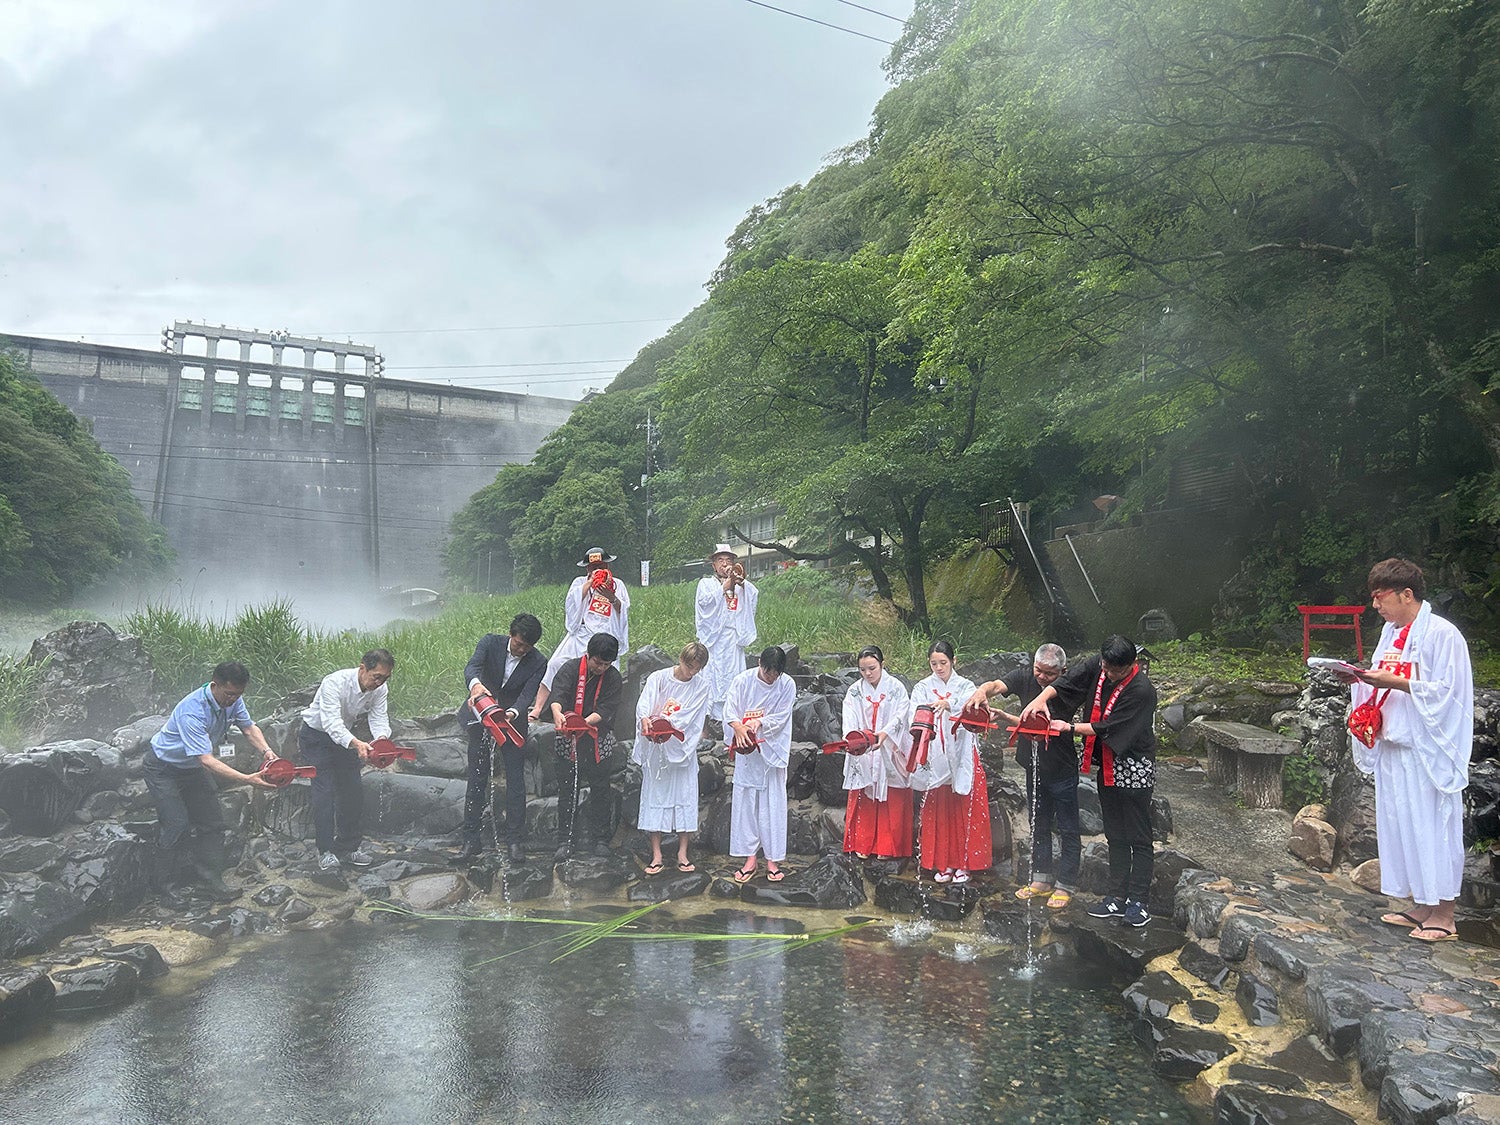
[{"x": 1056, "y": 804}]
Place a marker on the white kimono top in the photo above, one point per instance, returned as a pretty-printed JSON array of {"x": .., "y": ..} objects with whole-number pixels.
[
  {"x": 950, "y": 755},
  {"x": 749, "y": 696},
  {"x": 883, "y": 708}
]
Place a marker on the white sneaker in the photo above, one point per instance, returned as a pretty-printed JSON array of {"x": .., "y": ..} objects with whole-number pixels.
[
  {"x": 361, "y": 858},
  {"x": 328, "y": 862}
]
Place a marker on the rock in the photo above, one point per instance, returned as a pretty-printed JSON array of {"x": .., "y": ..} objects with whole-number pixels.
[
  {"x": 106, "y": 984},
  {"x": 710, "y": 775},
  {"x": 1090, "y": 818},
  {"x": 92, "y": 680},
  {"x": 1288, "y": 955},
  {"x": 831, "y": 830},
  {"x": 951, "y": 904},
  {"x": 641, "y": 663},
  {"x": 1185, "y": 1052},
  {"x": 713, "y": 823},
  {"x": 1154, "y": 995},
  {"x": 146, "y": 958},
  {"x": 426, "y": 893},
  {"x": 813, "y": 720},
  {"x": 899, "y": 896},
  {"x": 1199, "y": 909},
  {"x": 1123, "y": 951},
  {"x": 665, "y": 887},
  {"x": 37, "y": 856},
  {"x": 802, "y": 771},
  {"x": 832, "y": 882},
  {"x": 525, "y": 882},
  {"x": 1425, "y": 1086},
  {"x": 1352, "y": 810},
  {"x": 1257, "y": 1000},
  {"x": 1203, "y": 1011},
  {"x": 439, "y": 757},
  {"x": 1013, "y": 922},
  {"x": 1237, "y": 931},
  {"x": 133, "y": 739},
  {"x": 40, "y": 789},
  {"x": 26, "y": 995},
  {"x": 1339, "y": 997},
  {"x": 594, "y": 873},
  {"x": 1312, "y": 841},
  {"x": 1264, "y": 1076},
  {"x": 1161, "y": 818},
  {"x": 295, "y": 910},
  {"x": 1309, "y": 1058},
  {"x": 1207, "y": 967},
  {"x": 1241, "y": 1104},
  {"x": 995, "y": 666},
  {"x": 828, "y": 775},
  {"x": 401, "y": 804},
  {"x": 1367, "y": 876}
]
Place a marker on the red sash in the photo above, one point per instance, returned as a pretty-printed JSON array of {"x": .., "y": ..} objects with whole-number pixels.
[
  {"x": 1106, "y": 755},
  {"x": 583, "y": 671},
  {"x": 1365, "y": 720}
]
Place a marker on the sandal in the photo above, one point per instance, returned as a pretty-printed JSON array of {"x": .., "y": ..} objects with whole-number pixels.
[
  {"x": 743, "y": 876},
  {"x": 1058, "y": 899},
  {"x": 1444, "y": 934},
  {"x": 682, "y": 865},
  {"x": 1034, "y": 890},
  {"x": 654, "y": 868},
  {"x": 775, "y": 876},
  {"x": 941, "y": 876},
  {"x": 960, "y": 876},
  {"x": 1400, "y": 918}
]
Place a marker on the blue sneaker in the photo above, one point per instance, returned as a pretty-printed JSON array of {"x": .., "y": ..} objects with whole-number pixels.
[
  {"x": 1108, "y": 907},
  {"x": 1136, "y": 914}
]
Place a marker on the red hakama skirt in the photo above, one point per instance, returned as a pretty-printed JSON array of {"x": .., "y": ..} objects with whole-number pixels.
[
  {"x": 880, "y": 828},
  {"x": 956, "y": 829}
]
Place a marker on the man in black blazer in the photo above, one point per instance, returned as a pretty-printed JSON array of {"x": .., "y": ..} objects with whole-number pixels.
[{"x": 509, "y": 669}]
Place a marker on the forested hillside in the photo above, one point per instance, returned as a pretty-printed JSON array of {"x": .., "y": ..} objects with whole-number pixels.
[
  {"x": 1083, "y": 239},
  {"x": 67, "y": 516}
]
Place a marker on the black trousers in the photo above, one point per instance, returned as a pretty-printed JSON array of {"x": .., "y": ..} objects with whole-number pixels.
[
  {"x": 186, "y": 798},
  {"x": 1127, "y": 829},
  {"x": 591, "y": 823},
  {"x": 477, "y": 792},
  {"x": 338, "y": 795}
]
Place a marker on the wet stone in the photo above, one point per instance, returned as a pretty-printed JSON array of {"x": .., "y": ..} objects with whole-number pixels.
[
  {"x": 899, "y": 896},
  {"x": 1166, "y": 872},
  {"x": 334, "y": 880},
  {"x": 952, "y": 904},
  {"x": 1207, "y": 967},
  {"x": 523, "y": 882},
  {"x": 1185, "y": 1052},
  {"x": 1247, "y": 1105},
  {"x": 107, "y": 984},
  {"x": 146, "y": 958},
  {"x": 1291, "y": 956},
  {"x": 274, "y": 895},
  {"x": 21, "y": 855},
  {"x": 593, "y": 873},
  {"x": 1199, "y": 909},
  {"x": 433, "y": 892},
  {"x": 877, "y": 869},
  {"x": 1124, "y": 951},
  {"x": 1336, "y": 1006},
  {"x": 1238, "y": 931},
  {"x": 665, "y": 887},
  {"x": 1155, "y": 994},
  {"x": 1310, "y": 1059},
  {"x": 724, "y": 887},
  {"x": 1203, "y": 1011},
  {"x": 372, "y": 886},
  {"x": 828, "y": 776},
  {"x": 295, "y": 910},
  {"x": 1265, "y": 1076},
  {"x": 26, "y": 994},
  {"x": 1258, "y": 1001},
  {"x": 831, "y": 883},
  {"x": 1424, "y": 1086}
]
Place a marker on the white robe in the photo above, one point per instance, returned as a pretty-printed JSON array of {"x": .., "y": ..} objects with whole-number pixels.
[
  {"x": 757, "y": 810},
  {"x": 1421, "y": 761},
  {"x": 884, "y": 767},
  {"x": 726, "y": 632},
  {"x": 669, "y": 770},
  {"x": 583, "y": 616},
  {"x": 950, "y": 754}
]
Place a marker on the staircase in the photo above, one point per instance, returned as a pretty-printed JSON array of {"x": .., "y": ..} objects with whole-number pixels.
[{"x": 1010, "y": 534}]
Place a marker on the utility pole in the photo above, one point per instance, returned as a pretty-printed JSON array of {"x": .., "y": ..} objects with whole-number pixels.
[{"x": 650, "y": 428}]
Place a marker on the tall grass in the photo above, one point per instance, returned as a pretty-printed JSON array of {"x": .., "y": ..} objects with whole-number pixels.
[{"x": 18, "y": 685}]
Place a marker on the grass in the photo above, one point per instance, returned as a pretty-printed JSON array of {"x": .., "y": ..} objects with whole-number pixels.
[{"x": 18, "y": 683}]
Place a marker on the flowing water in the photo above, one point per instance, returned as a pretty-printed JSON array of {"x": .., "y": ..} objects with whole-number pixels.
[{"x": 418, "y": 1023}]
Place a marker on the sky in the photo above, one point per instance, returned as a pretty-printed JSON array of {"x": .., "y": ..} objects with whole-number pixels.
[{"x": 515, "y": 194}]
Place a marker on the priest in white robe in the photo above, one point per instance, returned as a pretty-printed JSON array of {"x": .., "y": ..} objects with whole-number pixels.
[
  {"x": 591, "y": 606},
  {"x": 724, "y": 613},
  {"x": 758, "y": 709},
  {"x": 669, "y": 769},
  {"x": 1424, "y": 684}
]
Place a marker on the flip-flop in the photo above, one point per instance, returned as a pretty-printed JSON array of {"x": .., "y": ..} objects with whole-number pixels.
[
  {"x": 1058, "y": 899},
  {"x": 743, "y": 876},
  {"x": 775, "y": 876},
  {"x": 654, "y": 869},
  {"x": 1033, "y": 890},
  {"x": 942, "y": 876},
  {"x": 1444, "y": 934},
  {"x": 1400, "y": 918},
  {"x": 686, "y": 867}
]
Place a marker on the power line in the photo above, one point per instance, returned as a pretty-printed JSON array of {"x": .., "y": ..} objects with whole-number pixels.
[
  {"x": 872, "y": 11},
  {"x": 823, "y": 23},
  {"x": 332, "y": 336}
]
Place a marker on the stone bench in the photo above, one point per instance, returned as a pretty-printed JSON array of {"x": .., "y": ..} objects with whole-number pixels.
[{"x": 1246, "y": 759}]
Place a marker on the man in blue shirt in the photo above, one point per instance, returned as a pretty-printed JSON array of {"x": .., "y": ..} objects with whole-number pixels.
[{"x": 179, "y": 771}]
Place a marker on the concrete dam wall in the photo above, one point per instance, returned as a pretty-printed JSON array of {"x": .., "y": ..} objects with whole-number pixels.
[{"x": 296, "y": 478}]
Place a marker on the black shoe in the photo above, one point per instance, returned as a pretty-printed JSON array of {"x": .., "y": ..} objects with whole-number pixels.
[
  {"x": 1109, "y": 907},
  {"x": 472, "y": 849},
  {"x": 517, "y": 853},
  {"x": 1136, "y": 914}
]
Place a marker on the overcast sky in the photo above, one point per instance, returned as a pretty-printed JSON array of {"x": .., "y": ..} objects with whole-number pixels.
[{"x": 365, "y": 168}]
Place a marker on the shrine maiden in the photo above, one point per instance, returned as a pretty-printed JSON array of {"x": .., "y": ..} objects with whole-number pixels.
[
  {"x": 669, "y": 769},
  {"x": 758, "y": 722},
  {"x": 878, "y": 819},
  {"x": 1424, "y": 686},
  {"x": 956, "y": 809}
]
